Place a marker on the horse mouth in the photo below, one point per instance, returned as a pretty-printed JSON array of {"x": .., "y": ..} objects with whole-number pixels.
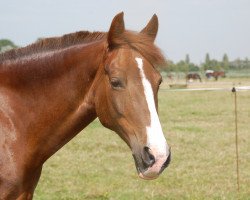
[
  {"x": 151, "y": 172},
  {"x": 141, "y": 171}
]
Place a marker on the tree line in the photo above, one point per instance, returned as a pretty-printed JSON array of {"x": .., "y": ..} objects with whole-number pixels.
[{"x": 208, "y": 64}]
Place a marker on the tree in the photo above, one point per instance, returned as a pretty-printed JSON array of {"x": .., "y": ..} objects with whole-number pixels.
[
  {"x": 247, "y": 63},
  {"x": 215, "y": 65},
  {"x": 193, "y": 67},
  {"x": 6, "y": 44},
  {"x": 187, "y": 59},
  {"x": 207, "y": 60},
  {"x": 169, "y": 67},
  {"x": 182, "y": 66},
  {"x": 225, "y": 62},
  {"x": 207, "y": 64}
]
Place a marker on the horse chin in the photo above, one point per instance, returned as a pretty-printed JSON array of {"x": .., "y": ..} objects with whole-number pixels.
[
  {"x": 146, "y": 176},
  {"x": 151, "y": 172}
]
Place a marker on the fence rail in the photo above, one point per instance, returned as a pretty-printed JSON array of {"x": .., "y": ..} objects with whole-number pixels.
[{"x": 240, "y": 88}]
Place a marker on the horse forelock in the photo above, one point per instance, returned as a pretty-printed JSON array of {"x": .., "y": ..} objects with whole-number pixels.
[{"x": 143, "y": 44}]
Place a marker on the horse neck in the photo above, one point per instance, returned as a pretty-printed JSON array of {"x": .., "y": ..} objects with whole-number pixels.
[
  {"x": 37, "y": 68},
  {"x": 53, "y": 93}
]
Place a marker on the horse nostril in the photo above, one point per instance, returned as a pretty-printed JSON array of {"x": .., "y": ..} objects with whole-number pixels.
[{"x": 148, "y": 158}]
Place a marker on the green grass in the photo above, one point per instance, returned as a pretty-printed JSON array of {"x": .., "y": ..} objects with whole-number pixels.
[
  {"x": 244, "y": 73},
  {"x": 200, "y": 128}
]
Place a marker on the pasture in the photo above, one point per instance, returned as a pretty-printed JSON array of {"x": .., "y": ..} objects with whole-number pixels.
[{"x": 199, "y": 127}]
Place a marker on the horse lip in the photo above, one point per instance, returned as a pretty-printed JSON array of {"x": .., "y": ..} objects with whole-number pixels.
[
  {"x": 140, "y": 172},
  {"x": 141, "y": 175}
]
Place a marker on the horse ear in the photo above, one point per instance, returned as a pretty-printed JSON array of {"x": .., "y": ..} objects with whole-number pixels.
[
  {"x": 116, "y": 29},
  {"x": 152, "y": 27}
]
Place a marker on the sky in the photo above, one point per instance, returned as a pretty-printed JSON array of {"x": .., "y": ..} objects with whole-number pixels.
[{"x": 193, "y": 27}]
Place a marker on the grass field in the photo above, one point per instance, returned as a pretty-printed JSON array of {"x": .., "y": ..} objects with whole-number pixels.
[{"x": 199, "y": 126}]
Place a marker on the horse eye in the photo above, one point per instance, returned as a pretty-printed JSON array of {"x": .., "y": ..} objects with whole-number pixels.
[{"x": 115, "y": 83}]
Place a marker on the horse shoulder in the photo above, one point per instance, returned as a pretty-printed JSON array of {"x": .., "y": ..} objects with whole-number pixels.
[{"x": 15, "y": 180}]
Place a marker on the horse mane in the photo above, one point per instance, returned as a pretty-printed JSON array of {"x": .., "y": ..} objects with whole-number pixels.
[
  {"x": 138, "y": 41},
  {"x": 53, "y": 43}
]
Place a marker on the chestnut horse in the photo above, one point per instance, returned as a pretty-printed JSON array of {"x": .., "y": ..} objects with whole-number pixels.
[
  {"x": 52, "y": 89},
  {"x": 215, "y": 74}
]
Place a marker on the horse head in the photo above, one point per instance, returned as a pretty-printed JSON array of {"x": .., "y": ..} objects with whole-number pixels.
[{"x": 126, "y": 94}]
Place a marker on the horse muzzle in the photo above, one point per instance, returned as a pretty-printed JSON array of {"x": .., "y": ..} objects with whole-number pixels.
[{"x": 149, "y": 165}]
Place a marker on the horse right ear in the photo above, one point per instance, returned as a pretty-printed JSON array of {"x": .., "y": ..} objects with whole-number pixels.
[
  {"x": 152, "y": 27},
  {"x": 116, "y": 29}
]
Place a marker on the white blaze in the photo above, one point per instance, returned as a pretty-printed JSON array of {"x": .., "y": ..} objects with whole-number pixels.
[{"x": 155, "y": 138}]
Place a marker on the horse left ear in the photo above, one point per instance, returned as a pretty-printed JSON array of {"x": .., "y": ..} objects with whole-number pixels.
[
  {"x": 152, "y": 27},
  {"x": 116, "y": 29}
]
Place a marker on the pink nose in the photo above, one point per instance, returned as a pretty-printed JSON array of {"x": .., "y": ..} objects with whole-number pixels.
[
  {"x": 149, "y": 166},
  {"x": 167, "y": 162},
  {"x": 155, "y": 170}
]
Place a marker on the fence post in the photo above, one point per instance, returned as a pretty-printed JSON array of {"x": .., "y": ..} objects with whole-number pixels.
[{"x": 236, "y": 137}]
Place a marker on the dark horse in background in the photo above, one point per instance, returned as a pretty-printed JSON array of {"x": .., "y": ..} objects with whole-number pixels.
[
  {"x": 52, "y": 89},
  {"x": 215, "y": 74},
  {"x": 193, "y": 76}
]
